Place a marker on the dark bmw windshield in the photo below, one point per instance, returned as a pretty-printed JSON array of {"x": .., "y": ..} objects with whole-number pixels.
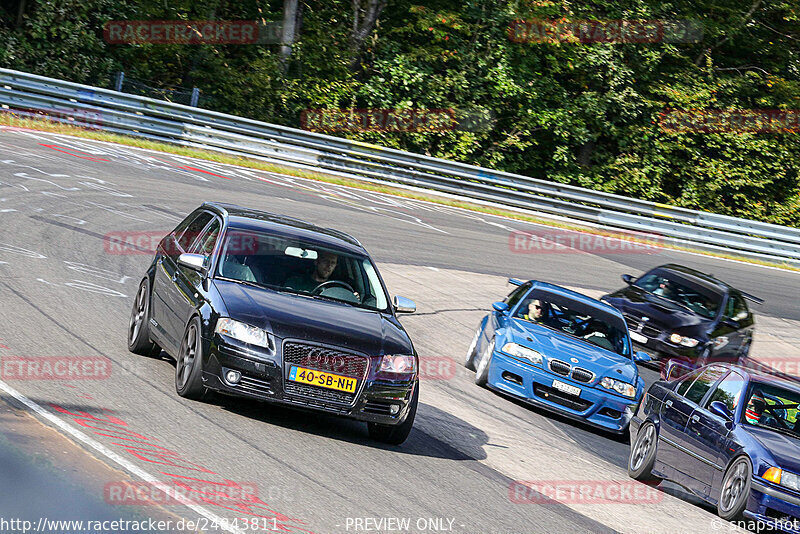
[
  {"x": 671, "y": 286},
  {"x": 292, "y": 265},
  {"x": 577, "y": 319}
]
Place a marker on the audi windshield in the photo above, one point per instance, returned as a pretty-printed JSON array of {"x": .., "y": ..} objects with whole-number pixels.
[
  {"x": 305, "y": 268},
  {"x": 670, "y": 286}
]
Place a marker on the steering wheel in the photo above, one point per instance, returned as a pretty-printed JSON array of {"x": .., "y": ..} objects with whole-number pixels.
[{"x": 323, "y": 285}]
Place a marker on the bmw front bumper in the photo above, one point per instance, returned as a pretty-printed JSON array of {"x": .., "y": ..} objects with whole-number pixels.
[
  {"x": 534, "y": 385},
  {"x": 773, "y": 506}
]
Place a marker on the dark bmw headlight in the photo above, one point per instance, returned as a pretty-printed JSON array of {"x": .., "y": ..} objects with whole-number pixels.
[
  {"x": 243, "y": 332},
  {"x": 623, "y": 388},
  {"x": 783, "y": 478}
]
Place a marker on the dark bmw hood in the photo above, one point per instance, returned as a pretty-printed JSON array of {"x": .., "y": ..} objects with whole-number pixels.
[
  {"x": 294, "y": 316},
  {"x": 661, "y": 312},
  {"x": 784, "y": 449},
  {"x": 554, "y": 345}
]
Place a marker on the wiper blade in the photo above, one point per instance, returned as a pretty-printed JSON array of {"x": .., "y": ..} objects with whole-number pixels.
[{"x": 325, "y": 297}]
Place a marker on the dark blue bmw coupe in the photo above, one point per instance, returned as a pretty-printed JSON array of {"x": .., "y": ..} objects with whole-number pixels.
[{"x": 727, "y": 434}]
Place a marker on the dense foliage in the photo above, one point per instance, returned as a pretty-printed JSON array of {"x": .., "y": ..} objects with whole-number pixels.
[{"x": 572, "y": 112}]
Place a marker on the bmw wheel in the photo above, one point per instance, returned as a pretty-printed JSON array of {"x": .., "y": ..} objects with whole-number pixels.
[
  {"x": 735, "y": 489},
  {"x": 189, "y": 367},
  {"x": 643, "y": 453},
  {"x": 469, "y": 363},
  {"x": 482, "y": 373},
  {"x": 139, "y": 325}
]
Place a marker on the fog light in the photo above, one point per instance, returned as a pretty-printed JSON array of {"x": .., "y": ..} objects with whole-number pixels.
[
  {"x": 233, "y": 377},
  {"x": 394, "y": 408}
]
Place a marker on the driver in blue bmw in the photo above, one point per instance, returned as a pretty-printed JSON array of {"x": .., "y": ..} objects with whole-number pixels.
[{"x": 324, "y": 266}]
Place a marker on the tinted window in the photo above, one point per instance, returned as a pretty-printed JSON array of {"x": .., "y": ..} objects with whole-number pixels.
[
  {"x": 686, "y": 382},
  {"x": 205, "y": 244},
  {"x": 703, "y": 383},
  {"x": 728, "y": 391},
  {"x": 670, "y": 285},
  {"x": 187, "y": 237},
  {"x": 774, "y": 407},
  {"x": 517, "y": 294}
]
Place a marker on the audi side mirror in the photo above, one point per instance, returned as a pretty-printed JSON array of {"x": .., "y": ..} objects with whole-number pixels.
[
  {"x": 719, "y": 408},
  {"x": 404, "y": 305},
  {"x": 195, "y": 262}
]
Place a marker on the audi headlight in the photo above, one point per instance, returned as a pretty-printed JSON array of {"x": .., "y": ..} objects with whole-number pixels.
[
  {"x": 623, "y": 388},
  {"x": 243, "y": 332},
  {"x": 405, "y": 364},
  {"x": 784, "y": 478},
  {"x": 522, "y": 352},
  {"x": 683, "y": 341}
]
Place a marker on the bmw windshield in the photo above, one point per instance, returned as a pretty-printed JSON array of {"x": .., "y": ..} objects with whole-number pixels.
[
  {"x": 576, "y": 319},
  {"x": 291, "y": 265},
  {"x": 670, "y": 286},
  {"x": 772, "y": 407}
]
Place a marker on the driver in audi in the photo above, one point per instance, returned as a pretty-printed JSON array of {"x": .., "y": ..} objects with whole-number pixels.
[{"x": 324, "y": 266}]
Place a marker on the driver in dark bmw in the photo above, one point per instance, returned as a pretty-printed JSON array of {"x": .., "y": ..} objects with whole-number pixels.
[{"x": 218, "y": 299}]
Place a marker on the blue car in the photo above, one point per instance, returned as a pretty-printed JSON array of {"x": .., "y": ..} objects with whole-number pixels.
[
  {"x": 562, "y": 351},
  {"x": 727, "y": 434}
]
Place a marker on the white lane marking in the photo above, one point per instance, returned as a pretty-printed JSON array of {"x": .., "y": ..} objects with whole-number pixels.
[
  {"x": 5, "y": 247},
  {"x": 116, "y": 458},
  {"x": 7, "y": 210},
  {"x": 433, "y": 269},
  {"x": 77, "y": 220}
]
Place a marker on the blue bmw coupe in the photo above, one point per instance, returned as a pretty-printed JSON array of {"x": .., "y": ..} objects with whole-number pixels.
[
  {"x": 727, "y": 434},
  {"x": 562, "y": 351}
]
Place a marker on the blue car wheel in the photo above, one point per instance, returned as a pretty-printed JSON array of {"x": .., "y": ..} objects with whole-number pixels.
[
  {"x": 482, "y": 374},
  {"x": 735, "y": 489},
  {"x": 469, "y": 362}
]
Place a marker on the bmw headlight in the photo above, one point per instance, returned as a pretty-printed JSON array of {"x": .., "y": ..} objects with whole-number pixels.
[
  {"x": 784, "y": 478},
  {"x": 623, "y": 388},
  {"x": 522, "y": 352},
  {"x": 243, "y": 332},
  {"x": 405, "y": 364},
  {"x": 683, "y": 341}
]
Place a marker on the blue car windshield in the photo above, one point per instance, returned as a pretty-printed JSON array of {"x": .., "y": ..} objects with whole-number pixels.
[
  {"x": 576, "y": 319},
  {"x": 772, "y": 407}
]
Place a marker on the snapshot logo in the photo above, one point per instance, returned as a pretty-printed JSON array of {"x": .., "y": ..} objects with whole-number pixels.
[
  {"x": 730, "y": 121},
  {"x": 55, "y": 367},
  {"x": 192, "y": 32},
  {"x": 141, "y": 493},
  {"x": 604, "y": 31},
  {"x": 556, "y": 241},
  {"x": 582, "y": 492},
  {"x": 411, "y": 120},
  {"x": 122, "y": 243}
]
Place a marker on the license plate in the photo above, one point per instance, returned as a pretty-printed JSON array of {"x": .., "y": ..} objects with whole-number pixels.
[
  {"x": 566, "y": 388},
  {"x": 323, "y": 379},
  {"x": 639, "y": 338}
]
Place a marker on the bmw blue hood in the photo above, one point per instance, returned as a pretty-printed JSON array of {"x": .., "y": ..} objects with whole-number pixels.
[
  {"x": 554, "y": 345},
  {"x": 306, "y": 318},
  {"x": 784, "y": 449}
]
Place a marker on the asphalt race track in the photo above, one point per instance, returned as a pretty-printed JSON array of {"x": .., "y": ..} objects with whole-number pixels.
[{"x": 67, "y": 292}]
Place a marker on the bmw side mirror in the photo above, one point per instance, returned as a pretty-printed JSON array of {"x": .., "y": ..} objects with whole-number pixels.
[
  {"x": 404, "y": 305},
  {"x": 628, "y": 279},
  {"x": 195, "y": 262},
  {"x": 641, "y": 356},
  {"x": 719, "y": 408},
  {"x": 500, "y": 307}
]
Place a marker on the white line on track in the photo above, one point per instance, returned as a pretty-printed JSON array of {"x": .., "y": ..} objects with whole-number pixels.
[{"x": 116, "y": 458}]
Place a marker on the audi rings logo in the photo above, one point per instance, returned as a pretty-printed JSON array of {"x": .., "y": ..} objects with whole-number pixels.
[{"x": 321, "y": 358}]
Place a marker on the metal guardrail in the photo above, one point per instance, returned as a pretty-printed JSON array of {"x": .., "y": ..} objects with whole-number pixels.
[{"x": 190, "y": 126}]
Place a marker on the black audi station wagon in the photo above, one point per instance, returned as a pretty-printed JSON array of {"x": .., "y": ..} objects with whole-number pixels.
[{"x": 273, "y": 308}]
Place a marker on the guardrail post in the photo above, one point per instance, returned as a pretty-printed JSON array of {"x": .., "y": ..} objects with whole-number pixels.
[
  {"x": 195, "y": 97},
  {"x": 118, "y": 82}
]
